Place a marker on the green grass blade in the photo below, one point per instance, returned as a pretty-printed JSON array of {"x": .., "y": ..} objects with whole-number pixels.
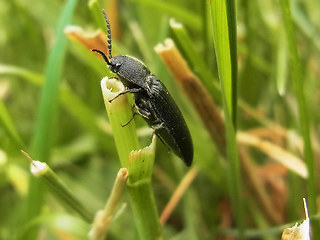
[
  {"x": 282, "y": 64},
  {"x": 95, "y": 10},
  {"x": 76, "y": 227},
  {"x": 297, "y": 76},
  {"x": 5, "y": 117},
  {"x": 198, "y": 65},
  {"x": 21, "y": 72},
  {"x": 141, "y": 192},
  {"x": 58, "y": 188},
  {"x": 305, "y": 25},
  {"x": 70, "y": 101},
  {"x": 232, "y": 27},
  {"x": 223, "y": 20},
  {"x": 8, "y": 124},
  {"x": 140, "y": 39},
  {"x": 224, "y": 53},
  {"x": 41, "y": 141},
  {"x": 86, "y": 56},
  {"x": 86, "y": 117},
  {"x": 183, "y": 15}
]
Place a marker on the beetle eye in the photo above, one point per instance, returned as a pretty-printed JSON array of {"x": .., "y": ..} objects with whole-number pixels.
[{"x": 115, "y": 67}]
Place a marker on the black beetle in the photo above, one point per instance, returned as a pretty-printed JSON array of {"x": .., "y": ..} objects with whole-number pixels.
[{"x": 152, "y": 101}]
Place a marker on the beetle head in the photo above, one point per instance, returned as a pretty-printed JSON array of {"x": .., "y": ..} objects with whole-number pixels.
[
  {"x": 131, "y": 71},
  {"x": 116, "y": 63}
]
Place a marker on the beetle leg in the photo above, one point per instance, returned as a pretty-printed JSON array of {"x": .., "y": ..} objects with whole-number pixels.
[
  {"x": 137, "y": 110},
  {"x": 134, "y": 113},
  {"x": 129, "y": 90},
  {"x": 143, "y": 113}
]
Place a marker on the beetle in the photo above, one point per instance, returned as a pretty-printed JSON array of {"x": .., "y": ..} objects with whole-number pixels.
[{"x": 152, "y": 100}]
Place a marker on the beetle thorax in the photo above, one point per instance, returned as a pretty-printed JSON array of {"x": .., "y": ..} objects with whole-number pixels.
[{"x": 131, "y": 71}]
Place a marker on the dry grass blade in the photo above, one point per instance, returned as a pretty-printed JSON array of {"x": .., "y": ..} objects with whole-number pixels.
[
  {"x": 103, "y": 217},
  {"x": 195, "y": 90},
  {"x": 257, "y": 186},
  {"x": 90, "y": 40},
  {"x": 208, "y": 112},
  {"x": 277, "y": 153},
  {"x": 184, "y": 184}
]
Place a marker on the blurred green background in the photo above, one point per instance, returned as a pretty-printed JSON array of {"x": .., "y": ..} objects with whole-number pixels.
[{"x": 66, "y": 125}]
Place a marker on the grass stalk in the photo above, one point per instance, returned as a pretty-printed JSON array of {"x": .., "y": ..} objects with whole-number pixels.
[
  {"x": 119, "y": 113},
  {"x": 178, "y": 193},
  {"x": 8, "y": 124},
  {"x": 138, "y": 162},
  {"x": 103, "y": 217},
  {"x": 224, "y": 28},
  {"x": 195, "y": 90},
  {"x": 194, "y": 60},
  {"x": 186, "y": 16},
  {"x": 58, "y": 188},
  {"x": 141, "y": 192},
  {"x": 95, "y": 10},
  {"x": 41, "y": 142},
  {"x": 297, "y": 77}
]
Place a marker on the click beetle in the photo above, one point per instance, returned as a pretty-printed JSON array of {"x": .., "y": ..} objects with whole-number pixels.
[{"x": 152, "y": 101}]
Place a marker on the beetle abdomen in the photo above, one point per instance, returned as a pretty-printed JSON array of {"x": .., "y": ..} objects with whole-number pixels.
[
  {"x": 181, "y": 145},
  {"x": 170, "y": 124}
]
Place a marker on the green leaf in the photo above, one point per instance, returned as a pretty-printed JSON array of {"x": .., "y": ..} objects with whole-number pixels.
[
  {"x": 298, "y": 80},
  {"x": 224, "y": 28},
  {"x": 138, "y": 162},
  {"x": 183, "y": 15},
  {"x": 8, "y": 124},
  {"x": 226, "y": 53},
  {"x": 44, "y": 128}
]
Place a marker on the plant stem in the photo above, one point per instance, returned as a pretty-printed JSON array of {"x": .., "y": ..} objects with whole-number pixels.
[
  {"x": 42, "y": 139},
  {"x": 303, "y": 113},
  {"x": 139, "y": 163}
]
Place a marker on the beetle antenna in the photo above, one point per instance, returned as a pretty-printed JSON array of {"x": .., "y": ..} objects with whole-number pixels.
[
  {"x": 108, "y": 33},
  {"x": 102, "y": 55}
]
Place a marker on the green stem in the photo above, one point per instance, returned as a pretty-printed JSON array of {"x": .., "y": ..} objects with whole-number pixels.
[
  {"x": 58, "y": 188},
  {"x": 303, "y": 112},
  {"x": 184, "y": 42},
  {"x": 103, "y": 217},
  {"x": 119, "y": 113},
  {"x": 144, "y": 210},
  {"x": 139, "y": 163},
  {"x": 224, "y": 28},
  {"x": 95, "y": 10},
  {"x": 41, "y": 142}
]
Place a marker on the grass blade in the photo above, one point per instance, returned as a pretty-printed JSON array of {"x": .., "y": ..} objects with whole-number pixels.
[
  {"x": 41, "y": 142},
  {"x": 8, "y": 124},
  {"x": 95, "y": 10},
  {"x": 303, "y": 112},
  {"x": 184, "y": 15},
  {"x": 200, "y": 68},
  {"x": 138, "y": 162},
  {"x": 223, "y": 21}
]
